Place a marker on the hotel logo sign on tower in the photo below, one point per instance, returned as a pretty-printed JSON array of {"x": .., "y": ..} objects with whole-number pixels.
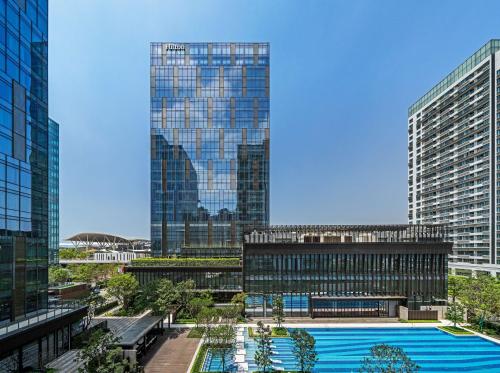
[{"x": 174, "y": 47}]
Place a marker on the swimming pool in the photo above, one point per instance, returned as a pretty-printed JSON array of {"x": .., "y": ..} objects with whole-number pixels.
[
  {"x": 213, "y": 363},
  {"x": 343, "y": 349}
]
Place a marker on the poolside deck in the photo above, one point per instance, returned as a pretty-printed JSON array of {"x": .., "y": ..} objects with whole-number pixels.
[
  {"x": 172, "y": 353},
  {"x": 335, "y": 320}
]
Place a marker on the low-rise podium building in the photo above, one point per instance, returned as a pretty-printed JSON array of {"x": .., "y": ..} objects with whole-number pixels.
[{"x": 345, "y": 271}]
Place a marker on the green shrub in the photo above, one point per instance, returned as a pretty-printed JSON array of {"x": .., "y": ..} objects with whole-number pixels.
[
  {"x": 186, "y": 262},
  {"x": 279, "y": 332},
  {"x": 200, "y": 359},
  {"x": 251, "y": 333},
  {"x": 275, "y": 332},
  {"x": 196, "y": 332},
  {"x": 455, "y": 330}
]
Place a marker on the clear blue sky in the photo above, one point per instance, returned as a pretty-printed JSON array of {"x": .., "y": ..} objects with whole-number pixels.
[{"x": 343, "y": 74}]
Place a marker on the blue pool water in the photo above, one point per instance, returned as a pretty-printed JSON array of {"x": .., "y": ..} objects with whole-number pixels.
[
  {"x": 343, "y": 349},
  {"x": 213, "y": 363}
]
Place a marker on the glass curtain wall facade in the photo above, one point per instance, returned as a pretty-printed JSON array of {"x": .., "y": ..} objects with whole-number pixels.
[
  {"x": 209, "y": 144},
  {"x": 417, "y": 278},
  {"x": 217, "y": 279},
  {"x": 453, "y": 155},
  {"x": 23, "y": 157},
  {"x": 53, "y": 192}
]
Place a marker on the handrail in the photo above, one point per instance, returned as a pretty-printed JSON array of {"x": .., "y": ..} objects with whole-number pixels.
[{"x": 51, "y": 312}]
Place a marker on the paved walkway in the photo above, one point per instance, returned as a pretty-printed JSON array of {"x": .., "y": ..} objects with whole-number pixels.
[
  {"x": 329, "y": 320},
  {"x": 334, "y": 324},
  {"x": 172, "y": 353}
]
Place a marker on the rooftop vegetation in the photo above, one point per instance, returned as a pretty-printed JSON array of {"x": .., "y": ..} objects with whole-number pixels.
[
  {"x": 186, "y": 262},
  {"x": 73, "y": 253}
]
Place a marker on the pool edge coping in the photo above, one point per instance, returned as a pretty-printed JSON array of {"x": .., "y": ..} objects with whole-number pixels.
[
  {"x": 487, "y": 337},
  {"x": 200, "y": 343}
]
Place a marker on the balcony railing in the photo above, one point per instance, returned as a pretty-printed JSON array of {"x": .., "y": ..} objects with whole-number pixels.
[{"x": 53, "y": 311}]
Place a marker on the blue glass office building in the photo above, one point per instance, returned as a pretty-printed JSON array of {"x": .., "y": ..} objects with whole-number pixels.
[
  {"x": 23, "y": 157},
  {"x": 53, "y": 192},
  {"x": 209, "y": 144}
]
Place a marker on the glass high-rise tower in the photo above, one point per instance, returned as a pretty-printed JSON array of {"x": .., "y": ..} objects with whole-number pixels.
[
  {"x": 209, "y": 144},
  {"x": 53, "y": 192},
  {"x": 23, "y": 157}
]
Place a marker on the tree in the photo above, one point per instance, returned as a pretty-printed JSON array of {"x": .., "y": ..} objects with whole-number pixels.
[
  {"x": 229, "y": 314},
  {"x": 456, "y": 285},
  {"x": 186, "y": 293},
  {"x": 223, "y": 343},
  {"x": 196, "y": 304},
  {"x": 83, "y": 272},
  {"x": 278, "y": 312},
  {"x": 238, "y": 298},
  {"x": 146, "y": 296},
  {"x": 100, "y": 354},
  {"x": 263, "y": 352},
  {"x": 123, "y": 287},
  {"x": 455, "y": 313},
  {"x": 93, "y": 302},
  {"x": 206, "y": 317},
  {"x": 58, "y": 275},
  {"x": 166, "y": 296},
  {"x": 304, "y": 349},
  {"x": 481, "y": 295},
  {"x": 388, "y": 359}
]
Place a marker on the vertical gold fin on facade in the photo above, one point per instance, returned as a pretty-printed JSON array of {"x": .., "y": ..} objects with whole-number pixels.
[
  {"x": 233, "y": 54},
  {"x": 187, "y": 115},
  {"x": 210, "y": 105},
  {"x": 152, "y": 81},
  {"x": 243, "y": 80},
  {"x": 176, "y": 81},
  {"x": 210, "y": 185},
  {"x": 244, "y": 136},
  {"x": 187, "y": 169},
  {"x": 233, "y": 112},
  {"x": 221, "y": 81},
  {"x": 255, "y": 53},
  {"x": 176, "y": 143},
  {"x": 186, "y": 54},
  {"x": 198, "y": 81},
  {"x": 163, "y": 112},
  {"x": 209, "y": 53},
  {"x": 221, "y": 143},
  {"x": 255, "y": 112},
  {"x": 198, "y": 143}
]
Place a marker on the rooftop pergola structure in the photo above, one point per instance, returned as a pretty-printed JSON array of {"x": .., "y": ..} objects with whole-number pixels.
[
  {"x": 104, "y": 241},
  {"x": 371, "y": 233}
]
